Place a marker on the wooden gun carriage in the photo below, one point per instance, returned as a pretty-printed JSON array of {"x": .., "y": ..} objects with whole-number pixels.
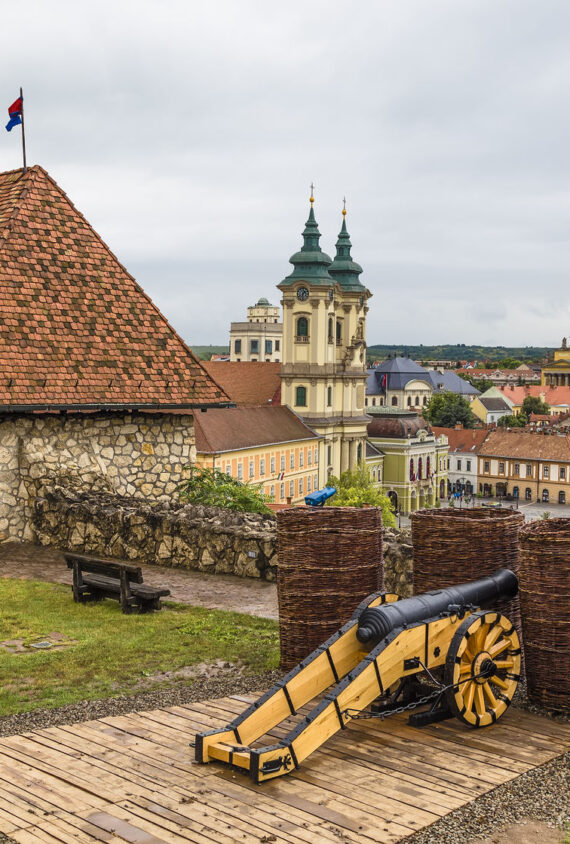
[{"x": 370, "y": 667}]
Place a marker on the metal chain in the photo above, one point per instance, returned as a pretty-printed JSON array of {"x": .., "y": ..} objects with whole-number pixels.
[{"x": 361, "y": 714}]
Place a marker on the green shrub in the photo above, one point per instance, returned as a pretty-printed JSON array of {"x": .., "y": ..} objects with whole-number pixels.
[
  {"x": 354, "y": 488},
  {"x": 213, "y": 488}
]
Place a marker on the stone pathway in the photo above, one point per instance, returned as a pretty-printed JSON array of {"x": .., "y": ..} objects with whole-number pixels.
[{"x": 214, "y": 591}]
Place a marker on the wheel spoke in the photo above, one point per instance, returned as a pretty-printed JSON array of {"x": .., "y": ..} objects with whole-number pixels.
[
  {"x": 489, "y": 695},
  {"x": 469, "y": 695},
  {"x": 499, "y": 682},
  {"x": 465, "y": 669},
  {"x": 479, "y": 700},
  {"x": 501, "y": 646},
  {"x": 504, "y": 663},
  {"x": 492, "y": 636}
]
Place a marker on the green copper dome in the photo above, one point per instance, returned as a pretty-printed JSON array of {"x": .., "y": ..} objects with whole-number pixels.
[
  {"x": 343, "y": 269},
  {"x": 311, "y": 263}
]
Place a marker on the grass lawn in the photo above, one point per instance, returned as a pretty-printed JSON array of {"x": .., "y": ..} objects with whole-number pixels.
[{"x": 105, "y": 653}]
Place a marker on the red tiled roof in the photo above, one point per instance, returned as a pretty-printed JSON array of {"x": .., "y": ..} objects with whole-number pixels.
[
  {"x": 462, "y": 439},
  {"x": 229, "y": 429},
  {"x": 76, "y": 330},
  {"x": 526, "y": 445},
  {"x": 553, "y": 395},
  {"x": 247, "y": 382}
]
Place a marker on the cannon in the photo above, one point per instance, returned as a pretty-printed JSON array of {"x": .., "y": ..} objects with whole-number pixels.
[
  {"x": 319, "y": 496},
  {"x": 447, "y": 647}
]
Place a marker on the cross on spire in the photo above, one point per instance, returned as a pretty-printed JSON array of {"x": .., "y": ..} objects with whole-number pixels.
[
  {"x": 344, "y": 206},
  {"x": 312, "y": 190}
]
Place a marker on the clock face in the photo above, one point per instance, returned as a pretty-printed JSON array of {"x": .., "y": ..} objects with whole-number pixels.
[{"x": 302, "y": 294}]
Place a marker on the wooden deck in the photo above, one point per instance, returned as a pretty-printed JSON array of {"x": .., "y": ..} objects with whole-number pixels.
[{"x": 132, "y": 779}]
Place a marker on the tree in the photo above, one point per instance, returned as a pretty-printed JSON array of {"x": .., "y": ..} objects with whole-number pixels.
[
  {"x": 513, "y": 421},
  {"x": 534, "y": 404},
  {"x": 354, "y": 488},
  {"x": 481, "y": 384},
  {"x": 447, "y": 409},
  {"x": 213, "y": 488}
]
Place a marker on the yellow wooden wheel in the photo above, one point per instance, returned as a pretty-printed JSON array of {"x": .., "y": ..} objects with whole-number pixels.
[{"x": 483, "y": 664}]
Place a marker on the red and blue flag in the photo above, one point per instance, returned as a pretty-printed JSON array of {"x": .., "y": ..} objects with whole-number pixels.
[{"x": 15, "y": 112}]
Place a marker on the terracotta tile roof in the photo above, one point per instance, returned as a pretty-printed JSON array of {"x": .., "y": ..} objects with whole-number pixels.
[
  {"x": 247, "y": 382},
  {"x": 526, "y": 445},
  {"x": 233, "y": 428},
  {"x": 553, "y": 395},
  {"x": 462, "y": 439},
  {"x": 76, "y": 330}
]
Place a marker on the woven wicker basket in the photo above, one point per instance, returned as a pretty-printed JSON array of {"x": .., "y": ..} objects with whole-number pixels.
[
  {"x": 329, "y": 559},
  {"x": 545, "y": 606},
  {"x": 455, "y": 546}
]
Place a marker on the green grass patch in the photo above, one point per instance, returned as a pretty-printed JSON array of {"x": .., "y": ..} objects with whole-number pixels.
[{"x": 111, "y": 653}]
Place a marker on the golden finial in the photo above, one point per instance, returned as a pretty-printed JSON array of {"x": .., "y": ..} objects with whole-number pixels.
[
  {"x": 344, "y": 206},
  {"x": 312, "y": 190}
]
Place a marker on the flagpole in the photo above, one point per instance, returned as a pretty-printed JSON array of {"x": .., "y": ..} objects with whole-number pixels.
[{"x": 23, "y": 133}]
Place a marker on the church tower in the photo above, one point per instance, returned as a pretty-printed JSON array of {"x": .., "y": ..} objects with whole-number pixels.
[{"x": 323, "y": 374}]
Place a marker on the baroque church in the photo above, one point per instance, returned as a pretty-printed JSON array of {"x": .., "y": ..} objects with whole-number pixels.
[{"x": 323, "y": 372}]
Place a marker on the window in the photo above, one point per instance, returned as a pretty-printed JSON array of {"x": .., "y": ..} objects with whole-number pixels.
[
  {"x": 291, "y": 489},
  {"x": 329, "y": 396},
  {"x": 268, "y": 347},
  {"x": 515, "y": 492},
  {"x": 338, "y": 332},
  {"x": 315, "y": 481},
  {"x": 517, "y": 469},
  {"x": 562, "y": 497},
  {"x": 412, "y": 473},
  {"x": 302, "y": 329},
  {"x": 277, "y": 343},
  {"x": 425, "y": 400},
  {"x": 254, "y": 347},
  {"x": 282, "y": 462},
  {"x": 301, "y": 459},
  {"x": 545, "y": 496},
  {"x": 300, "y": 486},
  {"x": 309, "y": 483},
  {"x": 237, "y": 347},
  {"x": 527, "y": 494},
  {"x": 546, "y": 471},
  {"x": 448, "y": 464},
  {"x": 459, "y": 465},
  {"x": 529, "y": 470},
  {"x": 409, "y": 401},
  {"x": 240, "y": 471},
  {"x": 309, "y": 457},
  {"x": 272, "y": 465},
  {"x": 301, "y": 396},
  {"x": 316, "y": 456},
  {"x": 394, "y": 401},
  {"x": 374, "y": 474},
  {"x": 420, "y": 468},
  {"x": 486, "y": 466},
  {"x": 468, "y": 466},
  {"x": 272, "y": 491},
  {"x": 329, "y": 454},
  {"x": 428, "y": 467},
  {"x": 359, "y": 453},
  {"x": 501, "y": 468},
  {"x": 262, "y": 466},
  {"x": 251, "y": 469},
  {"x": 331, "y": 337},
  {"x": 562, "y": 473},
  {"x": 292, "y": 460},
  {"x": 282, "y": 492}
]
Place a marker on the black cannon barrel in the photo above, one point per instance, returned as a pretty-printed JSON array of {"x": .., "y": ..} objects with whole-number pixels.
[{"x": 375, "y": 623}]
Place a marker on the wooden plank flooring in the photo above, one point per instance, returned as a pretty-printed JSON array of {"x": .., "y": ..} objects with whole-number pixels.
[{"x": 132, "y": 778}]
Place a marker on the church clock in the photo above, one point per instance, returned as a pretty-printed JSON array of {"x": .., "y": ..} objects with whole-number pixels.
[{"x": 302, "y": 294}]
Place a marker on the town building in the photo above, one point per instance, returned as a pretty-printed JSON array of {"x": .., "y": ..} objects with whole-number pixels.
[
  {"x": 462, "y": 463},
  {"x": 402, "y": 384},
  {"x": 415, "y": 459},
  {"x": 323, "y": 373},
  {"x": 557, "y": 373},
  {"x": 269, "y": 446},
  {"x": 525, "y": 465},
  {"x": 260, "y": 337},
  {"x": 523, "y": 374},
  {"x": 557, "y": 398},
  {"x": 489, "y": 409},
  {"x": 96, "y": 388}
]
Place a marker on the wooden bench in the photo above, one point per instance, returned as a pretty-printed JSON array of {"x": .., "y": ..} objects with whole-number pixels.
[{"x": 95, "y": 578}]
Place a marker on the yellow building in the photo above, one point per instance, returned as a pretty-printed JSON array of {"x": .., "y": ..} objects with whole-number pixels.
[
  {"x": 557, "y": 373},
  {"x": 526, "y": 466},
  {"x": 260, "y": 338},
  {"x": 271, "y": 446},
  {"x": 323, "y": 374}
]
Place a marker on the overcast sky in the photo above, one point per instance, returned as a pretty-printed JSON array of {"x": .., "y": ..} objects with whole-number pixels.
[{"x": 188, "y": 133}]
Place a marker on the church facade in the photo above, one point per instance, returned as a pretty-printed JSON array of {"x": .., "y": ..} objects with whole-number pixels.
[{"x": 323, "y": 372}]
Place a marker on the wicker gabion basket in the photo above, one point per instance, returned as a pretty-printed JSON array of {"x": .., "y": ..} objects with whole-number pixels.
[
  {"x": 454, "y": 546},
  {"x": 545, "y": 608},
  {"x": 329, "y": 559}
]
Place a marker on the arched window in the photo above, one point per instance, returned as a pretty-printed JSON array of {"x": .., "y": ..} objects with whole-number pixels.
[
  {"x": 409, "y": 401},
  {"x": 302, "y": 327},
  {"x": 528, "y": 494},
  {"x": 331, "y": 330},
  {"x": 545, "y": 495},
  {"x": 428, "y": 467},
  {"x": 301, "y": 396},
  {"x": 359, "y": 453},
  {"x": 394, "y": 401},
  {"x": 412, "y": 473},
  {"x": 425, "y": 400},
  {"x": 329, "y": 396},
  {"x": 338, "y": 331},
  {"x": 420, "y": 468},
  {"x": 381, "y": 401}
]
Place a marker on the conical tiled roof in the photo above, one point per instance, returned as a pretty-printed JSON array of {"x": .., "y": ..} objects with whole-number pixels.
[
  {"x": 76, "y": 330},
  {"x": 311, "y": 263}
]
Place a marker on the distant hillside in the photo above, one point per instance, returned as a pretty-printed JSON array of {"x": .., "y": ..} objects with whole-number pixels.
[
  {"x": 459, "y": 352},
  {"x": 206, "y": 352}
]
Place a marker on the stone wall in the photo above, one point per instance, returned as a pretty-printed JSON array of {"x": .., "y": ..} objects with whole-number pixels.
[
  {"x": 134, "y": 454},
  {"x": 185, "y": 536}
]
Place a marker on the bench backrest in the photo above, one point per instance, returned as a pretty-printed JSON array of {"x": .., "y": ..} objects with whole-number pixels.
[{"x": 110, "y": 568}]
